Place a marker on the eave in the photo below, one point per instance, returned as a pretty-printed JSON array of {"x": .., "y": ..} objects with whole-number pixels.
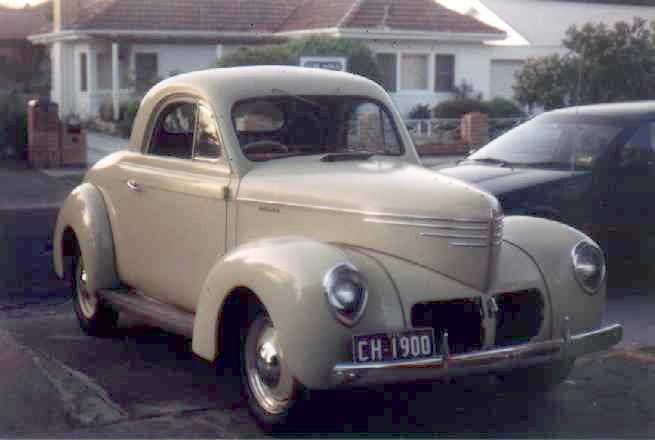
[
  {"x": 210, "y": 36},
  {"x": 398, "y": 34}
]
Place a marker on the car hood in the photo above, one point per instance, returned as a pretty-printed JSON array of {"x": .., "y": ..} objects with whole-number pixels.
[
  {"x": 499, "y": 180},
  {"x": 383, "y": 204}
]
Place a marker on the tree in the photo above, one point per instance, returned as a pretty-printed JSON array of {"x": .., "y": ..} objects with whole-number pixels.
[
  {"x": 258, "y": 56},
  {"x": 546, "y": 81},
  {"x": 604, "y": 64},
  {"x": 361, "y": 59},
  {"x": 26, "y": 73}
]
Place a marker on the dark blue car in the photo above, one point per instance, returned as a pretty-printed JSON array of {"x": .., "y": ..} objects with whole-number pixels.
[{"x": 591, "y": 167}]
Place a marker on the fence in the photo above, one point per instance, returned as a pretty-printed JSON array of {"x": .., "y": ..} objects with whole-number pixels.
[
  {"x": 457, "y": 136},
  {"x": 500, "y": 126}
]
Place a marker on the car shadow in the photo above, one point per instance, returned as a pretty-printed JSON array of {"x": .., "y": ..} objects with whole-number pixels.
[{"x": 466, "y": 407}]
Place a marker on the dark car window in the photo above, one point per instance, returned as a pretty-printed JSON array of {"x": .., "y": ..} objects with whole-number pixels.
[
  {"x": 208, "y": 142},
  {"x": 638, "y": 150},
  {"x": 173, "y": 133},
  {"x": 287, "y": 125},
  {"x": 554, "y": 144}
]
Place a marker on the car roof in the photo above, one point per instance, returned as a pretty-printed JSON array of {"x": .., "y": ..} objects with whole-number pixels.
[
  {"x": 638, "y": 110},
  {"x": 235, "y": 83}
]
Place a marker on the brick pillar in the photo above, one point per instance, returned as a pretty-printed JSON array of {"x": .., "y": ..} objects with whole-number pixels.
[
  {"x": 475, "y": 129},
  {"x": 43, "y": 134}
]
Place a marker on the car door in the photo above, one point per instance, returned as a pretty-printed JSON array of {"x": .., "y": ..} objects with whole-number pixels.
[
  {"x": 630, "y": 209},
  {"x": 175, "y": 227}
]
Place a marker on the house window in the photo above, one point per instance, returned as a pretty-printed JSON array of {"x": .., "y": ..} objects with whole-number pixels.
[
  {"x": 388, "y": 63},
  {"x": 147, "y": 70},
  {"x": 105, "y": 69},
  {"x": 414, "y": 72},
  {"x": 444, "y": 80},
  {"x": 84, "y": 80}
]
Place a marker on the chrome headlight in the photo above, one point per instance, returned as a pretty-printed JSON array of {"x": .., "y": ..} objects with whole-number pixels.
[
  {"x": 589, "y": 266},
  {"x": 346, "y": 292}
]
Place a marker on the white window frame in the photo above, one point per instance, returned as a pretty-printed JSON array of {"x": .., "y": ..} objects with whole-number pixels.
[{"x": 430, "y": 72}]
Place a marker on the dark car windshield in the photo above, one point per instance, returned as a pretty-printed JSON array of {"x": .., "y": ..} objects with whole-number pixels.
[
  {"x": 289, "y": 125},
  {"x": 547, "y": 143}
]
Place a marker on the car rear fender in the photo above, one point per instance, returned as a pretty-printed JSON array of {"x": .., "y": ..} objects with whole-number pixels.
[{"x": 85, "y": 214}]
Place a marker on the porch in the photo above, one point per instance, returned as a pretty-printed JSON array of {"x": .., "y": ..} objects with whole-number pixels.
[{"x": 108, "y": 74}]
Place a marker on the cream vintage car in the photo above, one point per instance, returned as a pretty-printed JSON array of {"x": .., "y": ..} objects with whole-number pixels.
[{"x": 282, "y": 214}]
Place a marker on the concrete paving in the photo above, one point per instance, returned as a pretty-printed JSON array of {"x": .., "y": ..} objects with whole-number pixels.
[{"x": 101, "y": 145}]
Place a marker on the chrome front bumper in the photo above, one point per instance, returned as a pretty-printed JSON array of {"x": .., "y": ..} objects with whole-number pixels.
[{"x": 480, "y": 362}]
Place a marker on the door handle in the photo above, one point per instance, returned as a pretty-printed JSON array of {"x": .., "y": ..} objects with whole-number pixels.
[{"x": 133, "y": 186}]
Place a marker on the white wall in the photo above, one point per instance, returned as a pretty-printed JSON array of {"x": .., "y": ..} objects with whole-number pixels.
[
  {"x": 472, "y": 64},
  {"x": 179, "y": 58}
]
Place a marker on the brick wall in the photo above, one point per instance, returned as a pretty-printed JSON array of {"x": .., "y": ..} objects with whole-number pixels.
[{"x": 51, "y": 143}]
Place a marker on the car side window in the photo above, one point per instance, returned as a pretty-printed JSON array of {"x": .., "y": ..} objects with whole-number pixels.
[
  {"x": 174, "y": 131},
  {"x": 638, "y": 150},
  {"x": 208, "y": 142}
]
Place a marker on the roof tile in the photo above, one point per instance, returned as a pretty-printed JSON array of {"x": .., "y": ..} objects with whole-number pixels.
[{"x": 271, "y": 16}]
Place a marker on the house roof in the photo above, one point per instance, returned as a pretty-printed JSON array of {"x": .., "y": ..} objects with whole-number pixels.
[
  {"x": 17, "y": 24},
  {"x": 187, "y": 15},
  {"x": 273, "y": 16},
  {"x": 545, "y": 22},
  {"x": 413, "y": 15}
]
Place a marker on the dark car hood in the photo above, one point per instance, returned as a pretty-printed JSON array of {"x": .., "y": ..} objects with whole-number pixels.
[{"x": 499, "y": 180}]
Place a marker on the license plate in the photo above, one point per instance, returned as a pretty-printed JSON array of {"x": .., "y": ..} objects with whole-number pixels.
[{"x": 394, "y": 346}]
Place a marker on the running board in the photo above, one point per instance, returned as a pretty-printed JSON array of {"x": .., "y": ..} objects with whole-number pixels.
[{"x": 161, "y": 315}]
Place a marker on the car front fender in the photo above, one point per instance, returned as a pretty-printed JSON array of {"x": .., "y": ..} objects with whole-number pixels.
[
  {"x": 85, "y": 214},
  {"x": 286, "y": 274},
  {"x": 549, "y": 245}
]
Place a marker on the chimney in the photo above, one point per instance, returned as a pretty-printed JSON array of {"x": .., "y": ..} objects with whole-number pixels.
[{"x": 65, "y": 13}]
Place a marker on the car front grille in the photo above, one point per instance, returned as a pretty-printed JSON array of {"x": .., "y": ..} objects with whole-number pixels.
[
  {"x": 462, "y": 319},
  {"x": 520, "y": 316}
]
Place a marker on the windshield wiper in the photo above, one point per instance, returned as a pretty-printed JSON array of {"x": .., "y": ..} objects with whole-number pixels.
[
  {"x": 351, "y": 155},
  {"x": 544, "y": 164}
]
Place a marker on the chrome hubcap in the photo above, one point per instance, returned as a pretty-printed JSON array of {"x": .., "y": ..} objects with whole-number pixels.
[
  {"x": 268, "y": 364},
  {"x": 88, "y": 301},
  {"x": 270, "y": 383}
]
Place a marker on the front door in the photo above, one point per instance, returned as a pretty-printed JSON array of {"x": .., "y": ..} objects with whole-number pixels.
[
  {"x": 631, "y": 211},
  {"x": 176, "y": 225}
]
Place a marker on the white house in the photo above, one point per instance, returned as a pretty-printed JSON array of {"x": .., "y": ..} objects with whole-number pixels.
[
  {"x": 102, "y": 49},
  {"x": 537, "y": 27}
]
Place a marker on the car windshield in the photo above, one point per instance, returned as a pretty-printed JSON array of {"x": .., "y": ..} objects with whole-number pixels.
[
  {"x": 548, "y": 143},
  {"x": 290, "y": 125}
]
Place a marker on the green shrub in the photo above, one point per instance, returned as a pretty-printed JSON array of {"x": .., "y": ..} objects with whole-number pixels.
[
  {"x": 504, "y": 108},
  {"x": 458, "y": 107},
  {"x": 420, "y": 111},
  {"x": 128, "y": 114},
  {"x": 106, "y": 110},
  {"x": 258, "y": 56},
  {"x": 13, "y": 126},
  {"x": 361, "y": 60}
]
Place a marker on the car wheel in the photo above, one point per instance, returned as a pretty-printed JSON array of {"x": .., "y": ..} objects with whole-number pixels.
[
  {"x": 270, "y": 390},
  {"x": 541, "y": 378},
  {"x": 95, "y": 318}
]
